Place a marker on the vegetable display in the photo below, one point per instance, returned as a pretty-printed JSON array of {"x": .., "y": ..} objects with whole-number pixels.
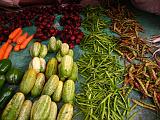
[
  {"x": 142, "y": 71},
  {"x": 100, "y": 96},
  {"x": 45, "y": 87},
  {"x": 109, "y": 65}
]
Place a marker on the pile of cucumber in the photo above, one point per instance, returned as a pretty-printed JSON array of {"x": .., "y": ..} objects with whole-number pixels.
[{"x": 48, "y": 82}]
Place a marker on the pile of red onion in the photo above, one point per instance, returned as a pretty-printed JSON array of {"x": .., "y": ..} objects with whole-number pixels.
[
  {"x": 71, "y": 33},
  {"x": 43, "y": 18},
  {"x": 45, "y": 27}
]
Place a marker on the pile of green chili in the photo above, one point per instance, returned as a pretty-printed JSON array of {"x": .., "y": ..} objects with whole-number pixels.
[{"x": 101, "y": 95}]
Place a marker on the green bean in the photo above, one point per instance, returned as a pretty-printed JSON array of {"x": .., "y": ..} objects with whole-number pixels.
[
  {"x": 115, "y": 115},
  {"x": 128, "y": 92},
  {"x": 115, "y": 101},
  {"x": 123, "y": 99},
  {"x": 108, "y": 108},
  {"x": 119, "y": 112},
  {"x": 133, "y": 115},
  {"x": 102, "y": 72},
  {"x": 129, "y": 107},
  {"x": 94, "y": 117},
  {"x": 133, "y": 107},
  {"x": 103, "y": 110},
  {"x": 124, "y": 113},
  {"x": 121, "y": 105}
]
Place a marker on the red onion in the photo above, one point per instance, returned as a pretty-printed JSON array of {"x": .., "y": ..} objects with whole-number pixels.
[
  {"x": 78, "y": 41},
  {"x": 71, "y": 45},
  {"x": 72, "y": 38}
]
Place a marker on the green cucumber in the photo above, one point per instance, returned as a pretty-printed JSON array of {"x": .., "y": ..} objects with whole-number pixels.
[
  {"x": 68, "y": 91},
  {"x": 66, "y": 112},
  {"x": 25, "y": 110},
  {"x": 28, "y": 81},
  {"x": 36, "y": 64},
  {"x": 64, "y": 49},
  {"x": 42, "y": 64},
  {"x": 51, "y": 68},
  {"x": 58, "y": 92},
  {"x": 74, "y": 73},
  {"x": 42, "y": 108},
  {"x": 43, "y": 51},
  {"x": 59, "y": 73},
  {"x": 13, "y": 108},
  {"x": 71, "y": 53},
  {"x": 35, "y": 49},
  {"x": 58, "y": 45},
  {"x": 66, "y": 66},
  {"x": 59, "y": 57},
  {"x": 50, "y": 85},
  {"x": 52, "y": 44},
  {"x": 38, "y": 86},
  {"x": 53, "y": 111}
]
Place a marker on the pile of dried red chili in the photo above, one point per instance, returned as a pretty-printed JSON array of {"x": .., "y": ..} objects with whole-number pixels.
[{"x": 142, "y": 72}]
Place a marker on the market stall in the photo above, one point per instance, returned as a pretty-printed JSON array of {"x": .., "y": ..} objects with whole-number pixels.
[{"x": 82, "y": 63}]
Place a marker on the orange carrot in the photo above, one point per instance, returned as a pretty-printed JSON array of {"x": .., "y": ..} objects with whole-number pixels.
[
  {"x": 15, "y": 33},
  {"x": 22, "y": 38},
  {"x": 10, "y": 41},
  {"x": 8, "y": 51},
  {"x": 17, "y": 48},
  {"x": 25, "y": 43},
  {"x": 18, "y": 35},
  {"x": 3, "y": 49}
]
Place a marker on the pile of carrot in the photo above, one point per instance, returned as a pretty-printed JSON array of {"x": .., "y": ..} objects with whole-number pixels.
[{"x": 17, "y": 37}]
